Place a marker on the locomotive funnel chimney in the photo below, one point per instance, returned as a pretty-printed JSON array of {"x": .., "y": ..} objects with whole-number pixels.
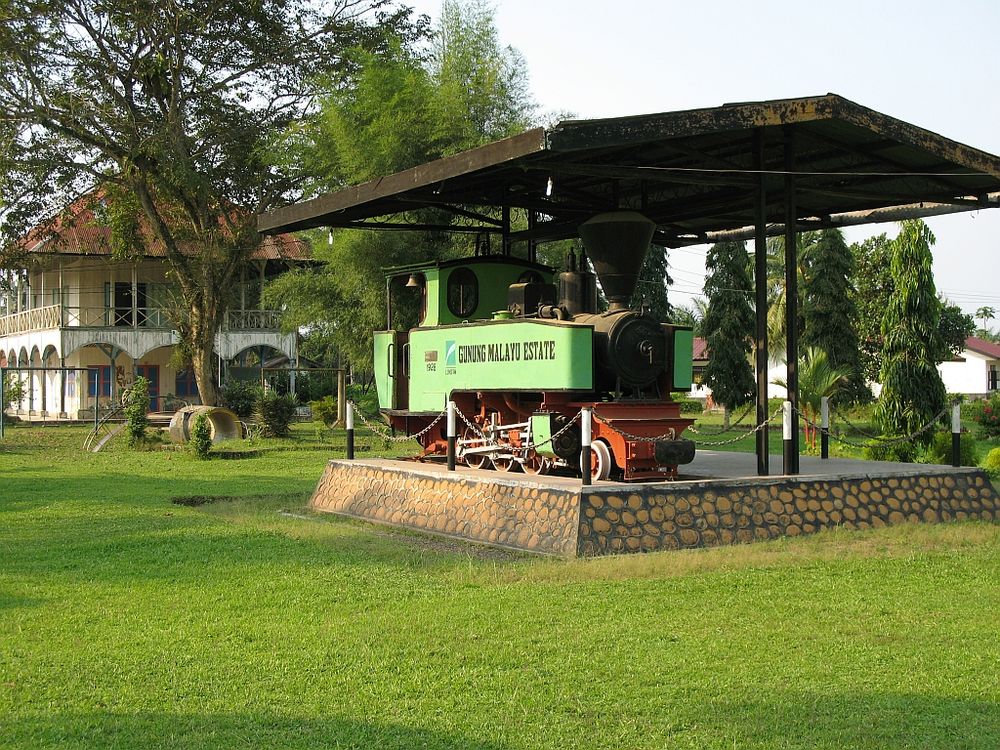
[{"x": 617, "y": 243}]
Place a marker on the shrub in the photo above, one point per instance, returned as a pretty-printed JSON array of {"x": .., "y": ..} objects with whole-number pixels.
[
  {"x": 938, "y": 451},
  {"x": 986, "y": 414},
  {"x": 325, "y": 410},
  {"x": 136, "y": 402},
  {"x": 240, "y": 396},
  {"x": 904, "y": 452},
  {"x": 690, "y": 405},
  {"x": 13, "y": 390},
  {"x": 274, "y": 413},
  {"x": 991, "y": 464},
  {"x": 201, "y": 437}
]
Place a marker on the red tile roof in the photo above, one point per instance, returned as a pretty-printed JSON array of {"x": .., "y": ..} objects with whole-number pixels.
[
  {"x": 979, "y": 346},
  {"x": 77, "y": 231},
  {"x": 700, "y": 348}
]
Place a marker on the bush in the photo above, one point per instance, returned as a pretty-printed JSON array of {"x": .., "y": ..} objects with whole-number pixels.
[
  {"x": 136, "y": 402},
  {"x": 938, "y": 451},
  {"x": 690, "y": 405},
  {"x": 991, "y": 464},
  {"x": 13, "y": 390},
  {"x": 240, "y": 396},
  {"x": 986, "y": 414},
  {"x": 201, "y": 437},
  {"x": 325, "y": 410},
  {"x": 274, "y": 413},
  {"x": 904, "y": 452}
]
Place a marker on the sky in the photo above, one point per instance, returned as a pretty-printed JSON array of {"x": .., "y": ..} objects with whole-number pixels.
[{"x": 932, "y": 64}]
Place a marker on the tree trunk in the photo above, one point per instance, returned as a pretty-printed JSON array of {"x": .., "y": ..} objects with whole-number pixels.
[
  {"x": 725, "y": 418},
  {"x": 204, "y": 324}
]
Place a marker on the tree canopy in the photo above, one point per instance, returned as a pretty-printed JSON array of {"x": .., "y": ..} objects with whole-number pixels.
[
  {"x": 402, "y": 106},
  {"x": 172, "y": 110}
]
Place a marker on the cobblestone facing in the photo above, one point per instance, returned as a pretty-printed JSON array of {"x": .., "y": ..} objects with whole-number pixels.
[
  {"x": 714, "y": 513},
  {"x": 509, "y": 514},
  {"x": 643, "y": 518}
]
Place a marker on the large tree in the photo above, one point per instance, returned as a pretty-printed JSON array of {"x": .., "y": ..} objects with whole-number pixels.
[
  {"x": 170, "y": 108},
  {"x": 402, "y": 107},
  {"x": 728, "y": 326},
  {"x": 912, "y": 391},
  {"x": 873, "y": 286},
  {"x": 653, "y": 284},
  {"x": 828, "y": 311}
]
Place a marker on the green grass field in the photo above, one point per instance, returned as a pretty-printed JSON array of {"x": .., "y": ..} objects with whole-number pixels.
[{"x": 128, "y": 621}]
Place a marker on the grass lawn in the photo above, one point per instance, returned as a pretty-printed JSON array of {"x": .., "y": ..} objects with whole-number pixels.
[{"x": 129, "y": 621}]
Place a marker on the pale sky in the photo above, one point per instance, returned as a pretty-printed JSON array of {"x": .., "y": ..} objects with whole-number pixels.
[{"x": 933, "y": 64}]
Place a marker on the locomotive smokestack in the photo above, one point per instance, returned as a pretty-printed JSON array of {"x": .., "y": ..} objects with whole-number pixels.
[{"x": 617, "y": 243}]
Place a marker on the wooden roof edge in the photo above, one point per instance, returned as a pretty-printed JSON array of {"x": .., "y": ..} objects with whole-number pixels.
[{"x": 308, "y": 214}]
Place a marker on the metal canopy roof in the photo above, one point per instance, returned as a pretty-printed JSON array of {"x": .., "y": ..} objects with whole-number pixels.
[{"x": 693, "y": 172}]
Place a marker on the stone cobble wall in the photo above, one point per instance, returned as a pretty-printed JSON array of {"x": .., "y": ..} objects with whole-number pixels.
[
  {"x": 712, "y": 513},
  {"x": 562, "y": 520},
  {"x": 510, "y": 514}
]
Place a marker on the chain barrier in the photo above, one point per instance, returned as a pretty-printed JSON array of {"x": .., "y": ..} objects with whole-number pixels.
[
  {"x": 383, "y": 433},
  {"x": 752, "y": 408},
  {"x": 744, "y": 436},
  {"x": 879, "y": 440}
]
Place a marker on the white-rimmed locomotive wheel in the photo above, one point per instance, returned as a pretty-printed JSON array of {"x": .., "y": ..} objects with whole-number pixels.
[
  {"x": 474, "y": 460},
  {"x": 504, "y": 463},
  {"x": 600, "y": 461},
  {"x": 536, "y": 464}
]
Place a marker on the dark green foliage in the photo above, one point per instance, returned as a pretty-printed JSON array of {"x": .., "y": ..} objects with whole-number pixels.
[
  {"x": 201, "y": 437},
  {"x": 654, "y": 281},
  {"x": 872, "y": 287},
  {"x": 689, "y": 405},
  {"x": 240, "y": 396},
  {"x": 313, "y": 386},
  {"x": 938, "y": 451},
  {"x": 912, "y": 391},
  {"x": 13, "y": 390},
  {"x": 728, "y": 325},
  {"x": 274, "y": 413},
  {"x": 828, "y": 311},
  {"x": 903, "y": 452},
  {"x": 136, "y": 402},
  {"x": 325, "y": 410}
]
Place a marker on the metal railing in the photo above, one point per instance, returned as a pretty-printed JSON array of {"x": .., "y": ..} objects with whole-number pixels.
[{"x": 82, "y": 316}]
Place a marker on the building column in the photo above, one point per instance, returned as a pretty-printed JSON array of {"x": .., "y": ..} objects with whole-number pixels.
[{"x": 62, "y": 379}]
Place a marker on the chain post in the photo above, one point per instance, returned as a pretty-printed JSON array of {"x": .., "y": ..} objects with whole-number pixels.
[
  {"x": 956, "y": 434},
  {"x": 786, "y": 435},
  {"x": 349, "y": 421},
  {"x": 452, "y": 435},
  {"x": 824, "y": 408},
  {"x": 585, "y": 441}
]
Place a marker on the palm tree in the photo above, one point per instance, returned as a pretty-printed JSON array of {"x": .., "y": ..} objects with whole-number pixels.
[
  {"x": 817, "y": 378},
  {"x": 776, "y": 286},
  {"x": 986, "y": 313}
]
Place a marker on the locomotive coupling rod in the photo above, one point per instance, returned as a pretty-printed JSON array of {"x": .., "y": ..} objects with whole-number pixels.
[
  {"x": 585, "y": 441},
  {"x": 452, "y": 435}
]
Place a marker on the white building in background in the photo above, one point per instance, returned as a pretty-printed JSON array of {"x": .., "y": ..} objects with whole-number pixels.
[
  {"x": 974, "y": 371},
  {"x": 776, "y": 370},
  {"x": 73, "y": 305}
]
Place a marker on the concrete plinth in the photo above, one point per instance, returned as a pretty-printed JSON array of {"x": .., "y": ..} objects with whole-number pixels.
[{"x": 555, "y": 515}]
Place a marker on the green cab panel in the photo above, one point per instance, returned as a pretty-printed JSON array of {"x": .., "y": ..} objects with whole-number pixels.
[
  {"x": 683, "y": 351},
  {"x": 498, "y": 355},
  {"x": 384, "y": 368}
]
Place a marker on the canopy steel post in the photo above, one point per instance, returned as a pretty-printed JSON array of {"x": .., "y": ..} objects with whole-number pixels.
[
  {"x": 760, "y": 302},
  {"x": 505, "y": 218},
  {"x": 791, "y": 306},
  {"x": 532, "y": 243}
]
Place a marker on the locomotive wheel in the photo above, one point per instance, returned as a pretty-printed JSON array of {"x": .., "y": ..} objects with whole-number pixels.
[
  {"x": 474, "y": 460},
  {"x": 536, "y": 464},
  {"x": 600, "y": 461},
  {"x": 503, "y": 463}
]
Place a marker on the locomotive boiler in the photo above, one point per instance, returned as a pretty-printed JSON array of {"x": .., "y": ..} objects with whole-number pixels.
[{"x": 521, "y": 350}]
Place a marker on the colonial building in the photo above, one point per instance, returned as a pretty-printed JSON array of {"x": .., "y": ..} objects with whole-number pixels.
[
  {"x": 73, "y": 305},
  {"x": 974, "y": 371}
]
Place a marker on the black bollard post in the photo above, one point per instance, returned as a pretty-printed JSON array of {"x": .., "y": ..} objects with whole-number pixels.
[
  {"x": 451, "y": 436},
  {"x": 349, "y": 420},
  {"x": 824, "y": 437},
  {"x": 956, "y": 434},
  {"x": 585, "y": 441}
]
